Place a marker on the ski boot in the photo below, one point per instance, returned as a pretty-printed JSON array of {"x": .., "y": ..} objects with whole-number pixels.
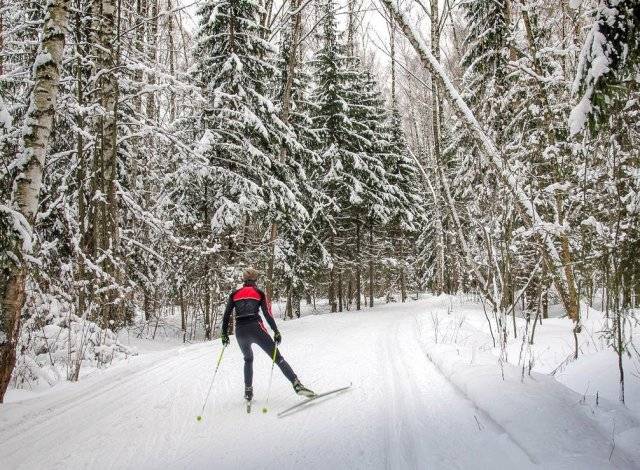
[
  {"x": 248, "y": 396},
  {"x": 302, "y": 390}
]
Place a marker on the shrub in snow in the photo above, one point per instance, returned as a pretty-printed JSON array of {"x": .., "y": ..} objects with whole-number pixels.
[{"x": 55, "y": 343}]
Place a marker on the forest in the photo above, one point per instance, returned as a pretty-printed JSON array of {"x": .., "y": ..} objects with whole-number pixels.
[{"x": 354, "y": 151}]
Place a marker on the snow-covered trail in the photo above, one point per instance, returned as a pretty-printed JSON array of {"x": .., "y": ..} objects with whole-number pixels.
[{"x": 401, "y": 412}]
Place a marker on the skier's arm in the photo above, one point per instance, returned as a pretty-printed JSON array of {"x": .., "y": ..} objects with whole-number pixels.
[
  {"x": 265, "y": 304},
  {"x": 227, "y": 315}
]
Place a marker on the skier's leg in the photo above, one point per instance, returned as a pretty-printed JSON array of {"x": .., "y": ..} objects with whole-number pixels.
[
  {"x": 264, "y": 340},
  {"x": 244, "y": 341}
]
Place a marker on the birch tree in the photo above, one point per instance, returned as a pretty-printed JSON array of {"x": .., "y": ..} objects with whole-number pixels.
[{"x": 18, "y": 218}]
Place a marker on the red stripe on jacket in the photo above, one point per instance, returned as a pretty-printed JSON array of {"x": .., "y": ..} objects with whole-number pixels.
[{"x": 247, "y": 293}]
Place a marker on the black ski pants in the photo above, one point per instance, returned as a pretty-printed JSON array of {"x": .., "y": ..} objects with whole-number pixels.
[{"x": 254, "y": 332}]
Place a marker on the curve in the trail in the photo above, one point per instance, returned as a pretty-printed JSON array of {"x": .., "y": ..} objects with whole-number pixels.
[{"x": 401, "y": 412}]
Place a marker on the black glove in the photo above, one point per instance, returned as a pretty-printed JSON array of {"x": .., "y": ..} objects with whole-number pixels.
[
  {"x": 277, "y": 338},
  {"x": 225, "y": 339}
]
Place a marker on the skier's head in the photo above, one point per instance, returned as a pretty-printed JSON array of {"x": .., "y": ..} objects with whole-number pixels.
[{"x": 250, "y": 275}]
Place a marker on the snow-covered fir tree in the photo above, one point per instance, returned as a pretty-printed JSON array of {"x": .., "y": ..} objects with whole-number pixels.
[{"x": 242, "y": 129}]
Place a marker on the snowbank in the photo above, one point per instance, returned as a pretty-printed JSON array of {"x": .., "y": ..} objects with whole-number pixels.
[
  {"x": 55, "y": 341},
  {"x": 557, "y": 427}
]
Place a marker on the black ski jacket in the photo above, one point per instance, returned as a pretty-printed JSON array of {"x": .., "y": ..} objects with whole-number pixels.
[{"x": 247, "y": 301}]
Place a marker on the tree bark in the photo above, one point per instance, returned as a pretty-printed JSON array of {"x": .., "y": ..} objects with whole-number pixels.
[
  {"x": 371, "y": 270},
  {"x": 403, "y": 281},
  {"x": 172, "y": 60},
  {"x": 392, "y": 50},
  {"x": 183, "y": 311},
  {"x": 27, "y": 185},
  {"x": 1, "y": 38},
  {"x": 358, "y": 267},
  {"x": 81, "y": 172},
  {"x": 437, "y": 154},
  {"x": 207, "y": 310},
  {"x": 350, "y": 27},
  {"x": 152, "y": 56},
  {"x": 105, "y": 210},
  {"x": 340, "y": 292},
  {"x": 332, "y": 290}
]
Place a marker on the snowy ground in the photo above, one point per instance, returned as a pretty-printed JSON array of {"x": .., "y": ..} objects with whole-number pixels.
[{"x": 427, "y": 393}]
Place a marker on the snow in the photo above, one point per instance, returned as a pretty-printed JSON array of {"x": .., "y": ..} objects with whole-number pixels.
[
  {"x": 557, "y": 434},
  {"x": 5, "y": 117},
  {"x": 593, "y": 63},
  {"x": 21, "y": 226},
  {"x": 426, "y": 394},
  {"x": 41, "y": 59},
  {"x": 55, "y": 339}
]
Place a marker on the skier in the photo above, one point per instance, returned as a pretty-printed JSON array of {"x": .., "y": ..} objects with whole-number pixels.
[{"x": 250, "y": 329}]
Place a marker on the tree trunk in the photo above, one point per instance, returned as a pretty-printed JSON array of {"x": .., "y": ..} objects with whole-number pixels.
[
  {"x": 340, "y": 292},
  {"x": 172, "y": 60},
  {"x": 288, "y": 310},
  {"x": 371, "y": 265},
  {"x": 332, "y": 290},
  {"x": 296, "y": 301},
  {"x": 437, "y": 154},
  {"x": 104, "y": 210},
  {"x": 1, "y": 38},
  {"x": 351, "y": 27},
  {"x": 296, "y": 28},
  {"x": 81, "y": 172},
  {"x": 34, "y": 142},
  {"x": 358, "y": 266},
  {"x": 392, "y": 49},
  {"x": 207, "y": 310},
  {"x": 141, "y": 12},
  {"x": 272, "y": 243},
  {"x": 152, "y": 55},
  {"x": 183, "y": 311},
  {"x": 146, "y": 304},
  {"x": 403, "y": 281}
]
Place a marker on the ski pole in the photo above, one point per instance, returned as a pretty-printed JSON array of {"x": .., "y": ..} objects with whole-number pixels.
[
  {"x": 273, "y": 363},
  {"x": 215, "y": 372}
]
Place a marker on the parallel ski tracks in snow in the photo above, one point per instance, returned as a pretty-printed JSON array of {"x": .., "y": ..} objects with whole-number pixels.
[
  {"x": 430, "y": 423},
  {"x": 48, "y": 410},
  {"x": 111, "y": 400}
]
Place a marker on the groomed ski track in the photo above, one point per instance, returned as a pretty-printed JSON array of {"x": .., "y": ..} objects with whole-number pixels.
[{"x": 401, "y": 412}]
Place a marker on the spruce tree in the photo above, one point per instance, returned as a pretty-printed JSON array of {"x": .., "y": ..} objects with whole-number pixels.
[
  {"x": 298, "y": 249},
  {"x": 348, "y": 118},
  {"x": 243, "y": 133}
]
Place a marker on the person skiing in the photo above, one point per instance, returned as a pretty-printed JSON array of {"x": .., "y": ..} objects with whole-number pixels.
[{"x": 250, "y": 329}]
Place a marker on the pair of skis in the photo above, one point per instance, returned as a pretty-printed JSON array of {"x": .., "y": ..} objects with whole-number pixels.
[{"x": 303, "y": 402}]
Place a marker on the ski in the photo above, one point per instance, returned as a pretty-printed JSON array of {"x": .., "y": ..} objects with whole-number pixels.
[{"x": 309, "y": 400}]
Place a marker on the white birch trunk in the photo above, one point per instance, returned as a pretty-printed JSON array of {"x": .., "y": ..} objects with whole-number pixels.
[{"x": 26, "y": 186}]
